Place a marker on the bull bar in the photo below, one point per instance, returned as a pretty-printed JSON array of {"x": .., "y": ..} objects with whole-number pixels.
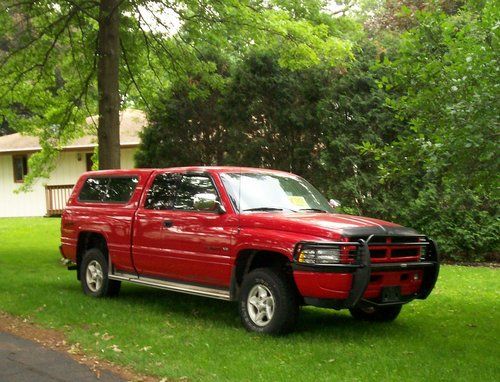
[{"x": 362, "y": 267}]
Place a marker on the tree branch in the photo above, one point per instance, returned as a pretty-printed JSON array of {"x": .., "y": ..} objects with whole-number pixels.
[{"x": 125, "y": 59}]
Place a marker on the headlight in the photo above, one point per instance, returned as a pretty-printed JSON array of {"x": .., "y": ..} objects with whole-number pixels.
[{"x": 328, "y": 255}]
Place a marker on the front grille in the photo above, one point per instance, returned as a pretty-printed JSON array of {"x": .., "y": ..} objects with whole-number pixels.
[
  {"x": 405, "y": 252},
  {"x": 392, "y": 252},
  {"x": 378, "y": 253}
]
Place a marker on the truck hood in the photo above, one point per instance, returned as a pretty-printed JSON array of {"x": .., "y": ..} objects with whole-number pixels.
[{"x": 324, "y": 225}]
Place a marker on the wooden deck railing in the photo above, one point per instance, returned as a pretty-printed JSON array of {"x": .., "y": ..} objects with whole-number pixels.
[{"x": 56, "y": 197}]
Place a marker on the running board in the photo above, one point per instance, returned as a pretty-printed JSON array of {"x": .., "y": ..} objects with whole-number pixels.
[{"x": 174, "y": 286}]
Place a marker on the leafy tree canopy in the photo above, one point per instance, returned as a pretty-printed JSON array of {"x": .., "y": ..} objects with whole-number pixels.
[{"x": 49, "y": 54}]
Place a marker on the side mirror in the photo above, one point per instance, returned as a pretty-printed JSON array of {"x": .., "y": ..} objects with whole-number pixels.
[
  {"x": 334, "y": 203},
  {"x": 207, "y": 202}
]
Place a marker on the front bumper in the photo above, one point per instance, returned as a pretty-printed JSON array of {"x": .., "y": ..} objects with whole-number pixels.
[{"x": 347, "y": 285}]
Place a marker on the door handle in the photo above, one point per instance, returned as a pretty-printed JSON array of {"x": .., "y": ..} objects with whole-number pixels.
[{"x": 168, "y": 223}]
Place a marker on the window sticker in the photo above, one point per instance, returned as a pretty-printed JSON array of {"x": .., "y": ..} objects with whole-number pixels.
[{"x": 298, "y": 201}]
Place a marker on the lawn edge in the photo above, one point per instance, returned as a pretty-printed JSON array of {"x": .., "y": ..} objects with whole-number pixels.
[{"x": 56, "y": 340}]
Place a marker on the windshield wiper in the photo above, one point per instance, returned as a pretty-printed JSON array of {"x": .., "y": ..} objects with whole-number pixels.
[
  {"x": 313, "y": 210},
  {"x": 264, "y": 209}
]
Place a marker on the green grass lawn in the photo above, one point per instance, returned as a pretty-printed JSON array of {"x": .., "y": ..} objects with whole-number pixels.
[{"x": 454, "y": 335}]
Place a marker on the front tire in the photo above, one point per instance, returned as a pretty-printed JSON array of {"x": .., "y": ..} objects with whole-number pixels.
[
  {"x": 94, "y": 275},
  {"x": 376, "y": 313},
  {"x": 268, "y": 302}
]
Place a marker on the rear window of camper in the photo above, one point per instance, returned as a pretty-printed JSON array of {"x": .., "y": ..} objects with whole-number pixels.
[{"x": 108, "y": 189}]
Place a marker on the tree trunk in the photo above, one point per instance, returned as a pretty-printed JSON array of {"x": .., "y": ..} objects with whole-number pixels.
[{"x": 108, "y": 131}]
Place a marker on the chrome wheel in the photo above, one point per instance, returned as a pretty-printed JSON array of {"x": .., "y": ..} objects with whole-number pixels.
[
  {"x": 94, "y": 276},
  {"x": 260, "y": 305}
]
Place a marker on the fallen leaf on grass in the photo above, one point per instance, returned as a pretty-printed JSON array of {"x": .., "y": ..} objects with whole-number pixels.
[
  {"x": 74, "y": 349},
  {"x": 107, "y": 337},
  {"x": 115, "y": 348}
]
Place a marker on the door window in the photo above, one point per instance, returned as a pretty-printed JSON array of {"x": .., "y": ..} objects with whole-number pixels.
[
  {"x": 161, "y": 195},
  {"x": 192, "y": 189}
]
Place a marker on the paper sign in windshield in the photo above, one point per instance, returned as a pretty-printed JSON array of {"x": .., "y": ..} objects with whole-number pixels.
[{"x": 298, "y": 201}]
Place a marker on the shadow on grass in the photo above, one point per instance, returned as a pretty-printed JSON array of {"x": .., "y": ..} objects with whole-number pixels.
[
  {"x": 324, "y": 323},
  {"x": 313, "y": 322}
]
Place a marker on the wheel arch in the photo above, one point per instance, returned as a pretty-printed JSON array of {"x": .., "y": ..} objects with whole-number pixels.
[
  {"x": 86, "y": 241},
  {"x": 250, "y": 259}
]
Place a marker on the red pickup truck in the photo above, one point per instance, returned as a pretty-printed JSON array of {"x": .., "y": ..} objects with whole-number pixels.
[{"x": 264, "y": 238}]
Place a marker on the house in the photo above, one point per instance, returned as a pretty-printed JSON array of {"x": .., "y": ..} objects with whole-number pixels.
[{"x": 48, "y": 196}]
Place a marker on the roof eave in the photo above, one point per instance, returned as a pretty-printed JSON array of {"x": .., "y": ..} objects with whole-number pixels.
[{"x": 30, "y": 150}]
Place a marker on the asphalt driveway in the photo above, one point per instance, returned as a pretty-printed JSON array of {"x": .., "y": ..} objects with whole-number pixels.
[{"x": 26, "y": 361}]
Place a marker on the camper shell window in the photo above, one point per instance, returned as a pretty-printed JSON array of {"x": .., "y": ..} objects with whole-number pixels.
[{"x": 108, "y": 189}]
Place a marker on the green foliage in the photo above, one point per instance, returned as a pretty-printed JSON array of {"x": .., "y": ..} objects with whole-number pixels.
[
  {"x": 46, "y": 64},
  {"x": 191, "y": 110},
  {"x": 276, "y": 112},
  {"x": 354, "y": 115},
  {"x": 264, "y": 115},
  {"x": 309, "y": 121},
  {"x": 441, "y": 173}
]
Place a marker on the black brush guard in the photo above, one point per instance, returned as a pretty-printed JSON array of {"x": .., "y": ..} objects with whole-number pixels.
[{"x": 363, "y": 267}]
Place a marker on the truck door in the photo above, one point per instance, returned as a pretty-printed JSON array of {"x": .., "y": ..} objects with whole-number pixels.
[{"x": 175, "y": 238}]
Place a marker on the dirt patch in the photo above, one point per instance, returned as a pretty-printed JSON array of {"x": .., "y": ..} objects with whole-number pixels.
[{"x": 55, "y": 340}]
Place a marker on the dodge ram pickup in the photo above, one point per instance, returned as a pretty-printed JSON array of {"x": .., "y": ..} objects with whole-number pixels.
[{"x": 266, "y": 239}]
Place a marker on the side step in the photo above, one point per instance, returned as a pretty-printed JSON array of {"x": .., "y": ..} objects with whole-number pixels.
[{"x": 196, "y": 290}]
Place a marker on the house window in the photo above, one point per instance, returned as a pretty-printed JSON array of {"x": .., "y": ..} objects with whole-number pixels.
[
  {"x": 89, "y": 162},
  {"x": 20, "y": 164}
]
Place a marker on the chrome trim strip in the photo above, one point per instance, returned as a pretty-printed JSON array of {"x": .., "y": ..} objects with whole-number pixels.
[{"x": 175, "y": 286}]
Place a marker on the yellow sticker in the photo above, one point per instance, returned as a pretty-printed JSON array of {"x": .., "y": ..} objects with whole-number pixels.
[{"x": 298, "y": 201}]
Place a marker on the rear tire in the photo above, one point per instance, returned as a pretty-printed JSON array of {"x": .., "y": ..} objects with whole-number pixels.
[
  {"x": 94, "y": 275},
  {"x": 268, "y": 302},
  {"x": 377, "y": 313}
]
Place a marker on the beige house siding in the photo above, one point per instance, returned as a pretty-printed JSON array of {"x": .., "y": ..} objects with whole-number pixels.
[
  {"x": 127, "y": 158},
  {"x": 67, "y": 171},
  {"x": 69, "y": 166},
  {"x": 21, "y": 204}
]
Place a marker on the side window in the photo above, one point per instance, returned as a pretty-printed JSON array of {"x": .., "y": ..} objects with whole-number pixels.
[
  {"x": 94, "y": 190},
  {"x": 120, "y": 190},
  {"x": 193, "y": 189},
  {"x": 161, "y": 195},
  {"x": 108, "y": 189}
]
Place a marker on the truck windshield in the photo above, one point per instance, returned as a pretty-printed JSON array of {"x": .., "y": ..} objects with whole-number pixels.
[{"x": 272, "y": 192}]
